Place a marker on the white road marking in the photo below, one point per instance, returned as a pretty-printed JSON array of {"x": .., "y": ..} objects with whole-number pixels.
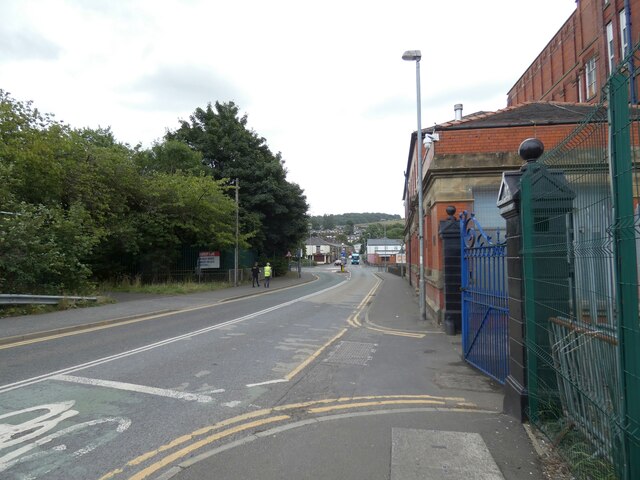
[
  {"x": 217, "y": 390},
  {"x": 152, "y": 346},
  {"x": 131, "y": 387},
  {"x": 269, "y": 382}
]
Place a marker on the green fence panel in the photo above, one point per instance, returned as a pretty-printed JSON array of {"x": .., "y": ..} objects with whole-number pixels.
[
  {"x": 581, "y": 237},
  {"x": 624, "y": 233}
]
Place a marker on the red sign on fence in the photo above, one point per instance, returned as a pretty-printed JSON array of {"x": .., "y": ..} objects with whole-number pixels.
[{"x": 209, "y": 260}]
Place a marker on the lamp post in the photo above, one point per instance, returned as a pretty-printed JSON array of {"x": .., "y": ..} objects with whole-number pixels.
[
  {"x": 386, "y": 252},
  {"x": 415, "y": 56}
]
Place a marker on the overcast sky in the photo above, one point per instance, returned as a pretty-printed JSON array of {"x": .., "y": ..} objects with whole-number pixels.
[{"x": 323, "y": 82}]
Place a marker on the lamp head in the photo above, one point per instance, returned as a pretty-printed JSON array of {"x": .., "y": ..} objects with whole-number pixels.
[{"x": 412, "y": 55}]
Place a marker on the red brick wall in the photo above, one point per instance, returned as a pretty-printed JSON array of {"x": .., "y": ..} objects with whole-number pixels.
[
  {"x": 491, "y": 140},
  {"x": 552, "y": 76}
]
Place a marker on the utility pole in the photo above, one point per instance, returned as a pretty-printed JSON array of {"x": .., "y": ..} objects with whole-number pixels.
[
  {"x": 386, "y": 252},
  {"x": 235, "y": 271}
]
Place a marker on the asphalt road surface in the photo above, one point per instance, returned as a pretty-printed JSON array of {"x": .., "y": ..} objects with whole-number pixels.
[
  {"x": 151, "y": 396},
  {"x": 120, "y": 391}
]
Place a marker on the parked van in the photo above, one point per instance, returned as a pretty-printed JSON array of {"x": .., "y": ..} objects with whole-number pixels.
[{"x": 355, "y": 259}]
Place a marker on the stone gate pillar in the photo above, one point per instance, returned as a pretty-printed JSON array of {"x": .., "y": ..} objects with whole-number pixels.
[
  {"x": 515, "y": 395},
  {"x": 450, "y": 234}
]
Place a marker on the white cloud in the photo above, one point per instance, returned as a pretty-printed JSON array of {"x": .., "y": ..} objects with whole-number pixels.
[{"x": 322, "y": 82}]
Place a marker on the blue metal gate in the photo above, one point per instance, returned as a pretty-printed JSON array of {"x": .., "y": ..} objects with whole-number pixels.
[{"x": 485, "y": 299}]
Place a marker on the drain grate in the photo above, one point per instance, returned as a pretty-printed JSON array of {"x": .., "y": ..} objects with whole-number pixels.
[{"x": 352, "y": 353}]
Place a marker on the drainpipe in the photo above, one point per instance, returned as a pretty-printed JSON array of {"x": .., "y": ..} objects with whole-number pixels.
[{"x": 627, "y": 8}]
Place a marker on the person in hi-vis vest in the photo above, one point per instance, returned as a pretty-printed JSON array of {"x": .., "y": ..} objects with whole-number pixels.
[{"x": 267, "y": 274}]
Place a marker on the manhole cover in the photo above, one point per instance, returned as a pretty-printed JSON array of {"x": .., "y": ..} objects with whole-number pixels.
[{"x": 352, "y": 353}]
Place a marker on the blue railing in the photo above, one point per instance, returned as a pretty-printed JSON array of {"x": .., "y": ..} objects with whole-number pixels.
[{"x": 485, "y": 299}]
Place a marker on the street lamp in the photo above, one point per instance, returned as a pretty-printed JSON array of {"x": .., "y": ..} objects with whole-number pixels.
[{"x": 415, "y": 56}]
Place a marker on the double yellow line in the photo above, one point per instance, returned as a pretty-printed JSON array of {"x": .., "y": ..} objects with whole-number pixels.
[
  {"x": 354, "y": 318},
  {"x": 266, "y": 416}
]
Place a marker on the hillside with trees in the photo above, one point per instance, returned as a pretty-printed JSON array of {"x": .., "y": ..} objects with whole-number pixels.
[
  {"x": 77, "y": 206},
  {"x": 328, "y": 222}
]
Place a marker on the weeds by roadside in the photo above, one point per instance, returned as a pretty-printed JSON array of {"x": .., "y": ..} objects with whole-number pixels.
[
  {"x": 128, "y": 285},
  {"x": 134, "y": 285}
]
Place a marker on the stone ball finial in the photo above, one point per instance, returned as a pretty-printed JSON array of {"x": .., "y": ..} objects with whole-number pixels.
[
  {"x": 451, "y": 210},
  {"x": 531, "y": 149}
]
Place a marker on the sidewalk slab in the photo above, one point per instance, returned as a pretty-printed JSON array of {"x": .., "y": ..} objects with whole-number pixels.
[
  {"x": 396, "y": 306},
  {"x": 435, "y": 455}
]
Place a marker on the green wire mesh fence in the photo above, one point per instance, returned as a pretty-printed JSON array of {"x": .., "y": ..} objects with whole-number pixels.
[{"x": 581, "y": 238}]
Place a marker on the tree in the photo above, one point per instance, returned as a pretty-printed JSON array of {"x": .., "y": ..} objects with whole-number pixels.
[
  {"x": 359, "y": 218},
  {"x": 328, "y": 222},
  {"x": 349, "y": 227},
  {"x": 43, "y": 250},
  {"x": 171, "y": 156},
  {"x": 316, "y": 223},
  {"x": 378, "y": 230},
  {"x": 342, "y": 238},
  {"x": 272, "y": 211},
  {"x": 83, "y": 206}
]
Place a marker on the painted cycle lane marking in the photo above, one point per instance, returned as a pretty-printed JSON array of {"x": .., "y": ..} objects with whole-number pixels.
[{"x": 30, "y": 440}]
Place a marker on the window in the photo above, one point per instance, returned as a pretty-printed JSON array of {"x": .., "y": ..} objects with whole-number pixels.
[
  {"x": 486, "y": 210},
  {"x": 624, "y": 46},
  {"x": 610, "y": 48},
  {"x": 590, "y": 78}
]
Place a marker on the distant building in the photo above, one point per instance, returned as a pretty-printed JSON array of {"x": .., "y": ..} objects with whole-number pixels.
[
  {"x": 321, "y": 250},
  {"x": 383, "y": 251}
]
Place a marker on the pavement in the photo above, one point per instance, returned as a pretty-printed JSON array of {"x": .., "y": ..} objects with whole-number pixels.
[{"x": 405, "y": 405}]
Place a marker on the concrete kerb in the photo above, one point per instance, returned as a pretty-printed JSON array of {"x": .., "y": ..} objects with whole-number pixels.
[{"x": 102, "y": 323}]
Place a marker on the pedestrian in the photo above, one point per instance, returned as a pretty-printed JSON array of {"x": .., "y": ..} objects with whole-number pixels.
[
  {"x": 267, "y": 274},
  {"x": 255, "y": 272}
]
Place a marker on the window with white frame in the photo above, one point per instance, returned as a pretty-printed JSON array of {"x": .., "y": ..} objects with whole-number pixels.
[
  {"x": 610, "y": 49},
  {"x": 590, "y": 78},
  {"x": 624, "y": 45}
]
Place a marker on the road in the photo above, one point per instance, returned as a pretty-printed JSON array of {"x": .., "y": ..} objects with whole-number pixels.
[
  {"x": 137, "y": 398},
  {"x": 151, "y": 381}
]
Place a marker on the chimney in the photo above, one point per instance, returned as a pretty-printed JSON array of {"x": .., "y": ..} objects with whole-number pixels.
[{"x": 458, "y": 109}]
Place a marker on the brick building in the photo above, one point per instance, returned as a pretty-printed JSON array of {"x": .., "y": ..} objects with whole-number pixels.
[
  {"x": 462, "y": 165},
  {"x": 463, "y": 168},
  {"x": 576, "y": 62}
]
